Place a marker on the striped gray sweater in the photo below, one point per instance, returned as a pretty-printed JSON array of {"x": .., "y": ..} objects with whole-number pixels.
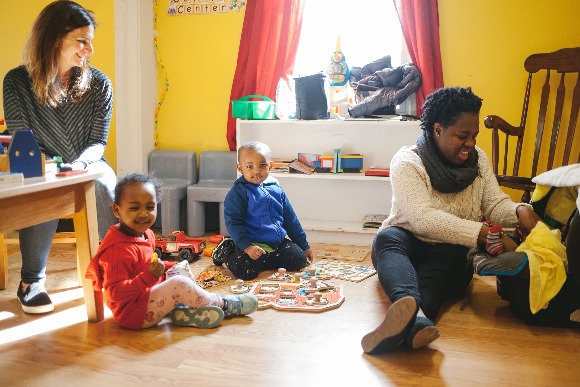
[{"x": 74, "y": 131}]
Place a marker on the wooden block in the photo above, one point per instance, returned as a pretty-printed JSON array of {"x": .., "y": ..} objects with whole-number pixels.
[{"x": 4, "y": 163}]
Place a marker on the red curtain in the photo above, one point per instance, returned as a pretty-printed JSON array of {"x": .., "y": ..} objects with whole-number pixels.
[
  {"x": 267, "y": 52},
  {"x": 420, "y": 25}
]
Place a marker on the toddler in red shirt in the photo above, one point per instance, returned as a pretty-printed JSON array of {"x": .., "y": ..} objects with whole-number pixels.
[{"x": 136, "y": 288}]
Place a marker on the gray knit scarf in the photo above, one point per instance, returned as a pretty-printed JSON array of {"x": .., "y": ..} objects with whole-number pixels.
[{"x": 446, "y": 177}]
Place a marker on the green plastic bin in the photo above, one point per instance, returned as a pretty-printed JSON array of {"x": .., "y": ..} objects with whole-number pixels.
[{"x": 254, "y": 110}]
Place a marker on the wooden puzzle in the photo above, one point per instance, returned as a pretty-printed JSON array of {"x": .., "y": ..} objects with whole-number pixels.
[
  {"x": 309, "y": 296},
  {"x": 343, "y": 270},
  {"x": 211, "y": 277},
  {"x": 357, "y": 254}
]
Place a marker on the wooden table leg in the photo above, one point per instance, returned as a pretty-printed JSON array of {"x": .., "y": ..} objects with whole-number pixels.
[
  {"x": 87, "y": 239},
  {"x": 3, "y": 262}
]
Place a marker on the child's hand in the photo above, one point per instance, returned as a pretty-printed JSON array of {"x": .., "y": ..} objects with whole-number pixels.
[
  {"x": 309, "y": 255},
  {"x": 157, "y": 268},
  {"x": 254, "y": 252}
]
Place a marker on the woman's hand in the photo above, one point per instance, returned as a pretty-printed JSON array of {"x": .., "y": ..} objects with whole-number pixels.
[
  {"x": 254, "y": 252},
  {"x": 527, "y": 220}
]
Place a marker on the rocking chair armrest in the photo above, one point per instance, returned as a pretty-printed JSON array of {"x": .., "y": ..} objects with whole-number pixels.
[
  {"x": 496, "y": 122},
  {"x": 516, "y": 182}
]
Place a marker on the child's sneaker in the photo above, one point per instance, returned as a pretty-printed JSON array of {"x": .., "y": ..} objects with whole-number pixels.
[
  {"x": 205, "y": 317},
  {"x": 240, "y": 305},
  {"x": 181, "y": 268},
  {"x": 222, "y": 250}
]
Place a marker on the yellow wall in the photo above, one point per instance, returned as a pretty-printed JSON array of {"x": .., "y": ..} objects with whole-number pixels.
[
  {"x": 16, "y": 18},
  {"x": 484, "y": 45},
  {"x": 199, "y": 55}
]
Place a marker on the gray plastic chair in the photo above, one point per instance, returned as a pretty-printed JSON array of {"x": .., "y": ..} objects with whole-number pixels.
[
  {"x": 217, "y": 173},
  {"x": 176, "y": 170}
]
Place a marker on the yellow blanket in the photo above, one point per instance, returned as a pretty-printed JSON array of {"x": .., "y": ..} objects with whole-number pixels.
[{"x": 548, "y": 262}]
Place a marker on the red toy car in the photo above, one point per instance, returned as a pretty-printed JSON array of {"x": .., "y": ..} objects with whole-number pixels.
[{"x": 177, "y": 242}]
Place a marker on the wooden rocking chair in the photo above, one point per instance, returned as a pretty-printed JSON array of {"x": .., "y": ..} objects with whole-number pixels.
[{"x": 564, "y": 65}]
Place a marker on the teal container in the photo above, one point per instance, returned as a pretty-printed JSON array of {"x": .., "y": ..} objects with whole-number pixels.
[{"x": 254, "y": 110}]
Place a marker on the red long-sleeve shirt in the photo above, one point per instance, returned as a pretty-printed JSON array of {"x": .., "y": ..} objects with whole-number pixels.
[{"x": 121, "y": 268}]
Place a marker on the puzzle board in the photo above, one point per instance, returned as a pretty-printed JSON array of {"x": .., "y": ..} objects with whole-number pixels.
[
  {"x": 355, "y": 254},
  {"x": 294, "y": 297},
  {"x": 344, "y": 270}
]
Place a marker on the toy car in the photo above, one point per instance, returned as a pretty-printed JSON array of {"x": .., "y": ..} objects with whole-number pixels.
[{"x": 176, "y": 242}]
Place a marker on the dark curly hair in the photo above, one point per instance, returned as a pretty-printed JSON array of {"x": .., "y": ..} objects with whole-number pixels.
[
  {"x": 134, "y": 178},
  {"x": 446, "y": 104}
]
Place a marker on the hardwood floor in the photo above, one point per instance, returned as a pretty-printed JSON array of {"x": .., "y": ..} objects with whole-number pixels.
[{"x": 481, "y": 343}]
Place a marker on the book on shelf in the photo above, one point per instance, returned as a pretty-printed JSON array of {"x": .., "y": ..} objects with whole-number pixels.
[
  {"x": 279, "y": 165},
  {"x": 374, "y": 220},
  {"x": 308, "y": 158},
  {"x": 8, "y": 179},
  {"x": 299, "y": 166},
  {"x": 386, "y": 172}
]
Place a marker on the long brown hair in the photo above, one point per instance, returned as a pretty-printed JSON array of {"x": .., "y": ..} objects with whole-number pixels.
[{"x": 42, "y": 49}]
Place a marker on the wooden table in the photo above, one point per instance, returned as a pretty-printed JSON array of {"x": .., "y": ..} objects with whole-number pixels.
[{"x": 44, "y": 198}]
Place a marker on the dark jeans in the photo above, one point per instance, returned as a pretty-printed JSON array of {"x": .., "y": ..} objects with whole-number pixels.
[
  {"x": 573, "y": 248},
  {"x": 407, "y": 266},
  {"x": 515, "y": 289},
  {"x": 288, "y": 255}
]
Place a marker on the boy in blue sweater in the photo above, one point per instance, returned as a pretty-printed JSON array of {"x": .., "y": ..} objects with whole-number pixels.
[{"x": 265, "y": 232}]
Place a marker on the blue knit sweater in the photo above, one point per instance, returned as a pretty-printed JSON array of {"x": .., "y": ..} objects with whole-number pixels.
[{"x": 261, "y": 213}]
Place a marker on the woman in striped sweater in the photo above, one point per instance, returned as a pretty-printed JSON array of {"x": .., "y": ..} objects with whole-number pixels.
[{"x": 68, "y": 106}]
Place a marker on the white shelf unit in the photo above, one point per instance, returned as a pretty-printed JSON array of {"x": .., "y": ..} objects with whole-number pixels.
[{"x": 331, "y": 207}]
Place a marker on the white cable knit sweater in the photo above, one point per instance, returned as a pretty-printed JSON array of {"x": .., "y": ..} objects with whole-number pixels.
[{"x": 437, "y": 217}]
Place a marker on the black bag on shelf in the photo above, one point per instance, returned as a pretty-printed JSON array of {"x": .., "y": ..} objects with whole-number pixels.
[{"x": 311, "y": 102}]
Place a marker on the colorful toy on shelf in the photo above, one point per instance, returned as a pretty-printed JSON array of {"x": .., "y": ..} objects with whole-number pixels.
[
  {"x": 338, "y": 71},
  {"x": 308, "y": 158},
  {"x": 351, "y": 163},
  {"x": 176, "y": 242}
]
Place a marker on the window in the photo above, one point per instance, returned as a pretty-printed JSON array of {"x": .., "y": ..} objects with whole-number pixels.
[{"x": 368, "y": 29}]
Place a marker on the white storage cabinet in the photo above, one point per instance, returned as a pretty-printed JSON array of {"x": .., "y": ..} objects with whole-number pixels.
[{"x": 331, "y": 207}]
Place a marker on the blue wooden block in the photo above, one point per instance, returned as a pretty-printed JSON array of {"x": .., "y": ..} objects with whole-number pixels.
[{"x": 24, "y": 154}]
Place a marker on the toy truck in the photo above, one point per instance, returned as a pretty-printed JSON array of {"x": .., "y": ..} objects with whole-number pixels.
[{"x": 177, "y": 243}]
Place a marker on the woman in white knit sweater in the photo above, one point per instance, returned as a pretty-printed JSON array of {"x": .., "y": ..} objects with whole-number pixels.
[{"x": 441, "y": 186}]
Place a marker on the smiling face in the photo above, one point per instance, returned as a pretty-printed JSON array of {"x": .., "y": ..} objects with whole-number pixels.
[
  {"x": 75, "y": 49},
  {"x": 136, "y": 209},
  {"x": 457, "y": 140},
  {"x": 253, "y": 166}
]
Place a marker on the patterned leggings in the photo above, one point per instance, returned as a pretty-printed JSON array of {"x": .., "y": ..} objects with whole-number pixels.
[
  {"x": 288, "y": 255},
  {"x": 165, "y": 296}
]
